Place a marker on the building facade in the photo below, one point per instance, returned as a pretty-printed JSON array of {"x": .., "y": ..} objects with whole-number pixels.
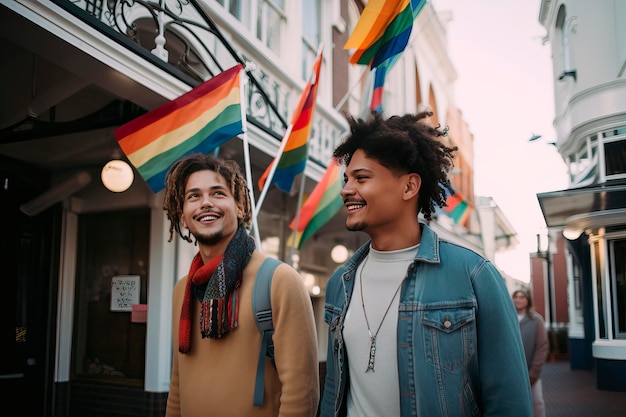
[
  {"x": 73, "y": 72},
  {"x": 589, "y": 58}
]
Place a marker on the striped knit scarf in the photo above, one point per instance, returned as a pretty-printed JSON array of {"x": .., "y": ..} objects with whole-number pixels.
[{"x": 215, "y": 285}]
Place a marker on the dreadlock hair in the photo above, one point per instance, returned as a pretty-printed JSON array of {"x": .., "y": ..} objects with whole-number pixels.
[
  {"x": 404, "y": 144},
  {"x": 176, "y": 180}
]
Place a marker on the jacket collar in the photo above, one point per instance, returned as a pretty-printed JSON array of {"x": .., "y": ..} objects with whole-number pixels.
[{"x": 428, "y": 250}]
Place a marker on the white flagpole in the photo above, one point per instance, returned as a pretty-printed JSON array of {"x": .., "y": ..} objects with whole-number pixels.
[
  {"x": 246, "y": 158},
  {"x": 298, "y": 208},
  {"x": 347, "y": 95},
  {"x": 270, "y": 176}
]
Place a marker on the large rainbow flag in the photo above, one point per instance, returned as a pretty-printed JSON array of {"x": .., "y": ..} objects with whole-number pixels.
[
  {"x": 323, "y": 203},
  {"x": 380, "y": 36},
  {"x": 292, "y": 160},
  {"x": 198, "y": 121},
  {"x": 389, "y": 39}
]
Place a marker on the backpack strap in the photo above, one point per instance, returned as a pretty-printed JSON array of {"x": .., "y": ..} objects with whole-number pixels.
[{"x": 262, "y": 309}]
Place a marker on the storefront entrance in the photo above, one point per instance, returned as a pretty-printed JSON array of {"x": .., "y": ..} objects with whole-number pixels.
[{"x": 27, "y": 298}]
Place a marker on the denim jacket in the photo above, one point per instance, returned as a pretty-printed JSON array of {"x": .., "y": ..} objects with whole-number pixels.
[{"x": 458, "y": 341}]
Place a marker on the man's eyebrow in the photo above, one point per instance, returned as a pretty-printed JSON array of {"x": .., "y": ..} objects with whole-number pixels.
[
  {"x": 358, "y": 171},
  {"x": 211, "y": 188}
]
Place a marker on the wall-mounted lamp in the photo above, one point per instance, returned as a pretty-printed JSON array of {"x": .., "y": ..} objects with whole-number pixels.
[
  {"x": 572, "y": 234},
  {"x": 339, "y": 254},
  {"x": 117, "y": 176}
]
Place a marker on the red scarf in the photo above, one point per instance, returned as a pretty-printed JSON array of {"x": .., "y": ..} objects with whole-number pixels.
[
  {"x": 199, "y": 275},
  {"x": 219, "y": 280}
]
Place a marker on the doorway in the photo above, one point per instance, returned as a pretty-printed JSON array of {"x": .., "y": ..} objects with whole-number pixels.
[{"x": 30, "y": 253}]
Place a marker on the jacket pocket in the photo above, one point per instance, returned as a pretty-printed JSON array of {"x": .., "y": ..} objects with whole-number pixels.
[{"x": 449, "y": 336}]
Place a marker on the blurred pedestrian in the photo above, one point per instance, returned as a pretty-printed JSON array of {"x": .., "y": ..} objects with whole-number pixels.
[
  {"x": 536, "y": 346},
  {"x": 215, "y": 337},
  {"x": 418, "y": 326}
]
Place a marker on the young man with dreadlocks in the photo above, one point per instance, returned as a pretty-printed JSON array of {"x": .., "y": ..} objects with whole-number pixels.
[
  {"x": 418, "y": 326},
  {"x": 215, "y": 337}
]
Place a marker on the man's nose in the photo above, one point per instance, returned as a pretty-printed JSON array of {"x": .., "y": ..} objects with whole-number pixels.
[
  {"x": 207, "y": 201},
  {"x": 346, "y": 190}
]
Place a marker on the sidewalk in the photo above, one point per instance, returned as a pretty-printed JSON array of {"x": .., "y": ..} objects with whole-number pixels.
[{"x": 573, "y": 393}]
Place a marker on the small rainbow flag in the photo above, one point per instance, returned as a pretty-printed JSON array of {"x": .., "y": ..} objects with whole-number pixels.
[
  {"x": 323, "y": 203},
  {"x": 198, "y": 121},
  {"x": 457, "y": 208},
  {"x": 292, "y": 160}
]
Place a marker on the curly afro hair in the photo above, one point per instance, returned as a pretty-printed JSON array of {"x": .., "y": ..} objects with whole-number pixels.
[
  {"x": 176, "y": 180},
  {"x": 404, "y": 144}
]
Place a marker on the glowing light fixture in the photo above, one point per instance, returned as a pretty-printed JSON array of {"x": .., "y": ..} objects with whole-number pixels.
[
  {"x": 339, "y": 254},
  {"x": 117, "y": 176},
  {"x": 572, "y": 234}
]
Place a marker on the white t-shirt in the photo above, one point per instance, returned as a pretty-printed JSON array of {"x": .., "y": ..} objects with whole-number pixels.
[{"x": 377, "y": 392}]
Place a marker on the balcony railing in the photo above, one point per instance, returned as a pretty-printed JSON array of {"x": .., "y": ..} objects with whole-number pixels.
[{"x": 181, "y": 38}]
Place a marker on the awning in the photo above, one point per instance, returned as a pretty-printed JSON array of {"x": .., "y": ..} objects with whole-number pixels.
[{"x": 585, "y": 206}]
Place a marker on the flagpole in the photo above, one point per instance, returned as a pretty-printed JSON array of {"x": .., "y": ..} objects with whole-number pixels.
[
  {"x": 246, "y": 161},
  {"x": 298, "y": 209},
  {"x": 345, "y": 97},
  {"x": 270, "y": 176}
]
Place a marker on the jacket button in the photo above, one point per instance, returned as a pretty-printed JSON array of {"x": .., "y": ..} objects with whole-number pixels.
[
  {"x": 447, "y": 324},
  {"x": 346, "y": 277}
]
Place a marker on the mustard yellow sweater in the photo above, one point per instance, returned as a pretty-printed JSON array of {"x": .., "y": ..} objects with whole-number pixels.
[{"x": 216, "y": 378}]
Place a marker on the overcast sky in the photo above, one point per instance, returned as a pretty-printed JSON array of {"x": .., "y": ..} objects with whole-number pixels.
[{"x": 505, "y": 92}]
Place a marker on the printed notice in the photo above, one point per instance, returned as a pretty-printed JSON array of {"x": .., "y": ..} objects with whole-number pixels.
[{"x": 124, "y": 292}]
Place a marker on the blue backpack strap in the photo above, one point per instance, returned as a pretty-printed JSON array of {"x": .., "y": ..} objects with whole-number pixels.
[{"x": 262, "y": 309}]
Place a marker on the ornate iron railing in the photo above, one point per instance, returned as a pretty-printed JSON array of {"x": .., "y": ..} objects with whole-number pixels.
[{"x": 181, "y": 34}]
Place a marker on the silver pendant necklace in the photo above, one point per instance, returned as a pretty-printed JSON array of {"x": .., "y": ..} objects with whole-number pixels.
[{"x": 372, "y": 355}]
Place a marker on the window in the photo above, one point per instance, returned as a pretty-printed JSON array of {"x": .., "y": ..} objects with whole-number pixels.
[
  {"x": 269, "y": 21},
  {"x": 617, "y": 253},
  {"x": 264, "y": 18},
  {"x": 233, "y": 7},
  {"x": 311, "y": 37},
  {"x": 615, "y": 158},
  {"x": 359, "y": 97},
  {"x": 563, "y": 32},
  {"x": 614, "y": 147},
  {"x": 582, "y": 164},
  {"x": 109, "y": 341},
  {"x": 600, "y": 291}
]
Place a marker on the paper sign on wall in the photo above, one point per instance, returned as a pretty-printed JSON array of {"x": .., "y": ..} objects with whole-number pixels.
[{"x": 124, "y": 292}]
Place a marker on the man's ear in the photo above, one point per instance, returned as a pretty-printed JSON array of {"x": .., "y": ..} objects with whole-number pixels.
[
  {"x": 240, "y": 211},
  {"x": 183, "y": 223},
  {"x": 412, "y": 186}
]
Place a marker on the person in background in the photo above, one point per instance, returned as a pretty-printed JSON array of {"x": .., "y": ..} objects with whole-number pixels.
[
  {"x": 536, "y": 346},
  {"x": 215, "y": 337},
  {"x": 418, "y": 326}
]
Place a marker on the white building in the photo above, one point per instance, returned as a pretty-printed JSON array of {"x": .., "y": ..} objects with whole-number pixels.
[
  {"x": 72, "y": 72},
  {"x": 589, "y": 58}
]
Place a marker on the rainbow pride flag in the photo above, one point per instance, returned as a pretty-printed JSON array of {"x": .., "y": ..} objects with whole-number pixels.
[
  {"x": 457, "y": 208},
  {"x": 292, "y": 160},
  {"x": 393, "y": 38},
  {"x": 196, "y": 122},
  {"x": 323, "y": 203},
  {"x": 380, "y": 36}
]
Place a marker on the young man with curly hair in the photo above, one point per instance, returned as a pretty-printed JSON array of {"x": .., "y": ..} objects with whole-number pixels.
[
  {"x": 418, "y": 326},
  {"x": 215, "y": 337}
]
